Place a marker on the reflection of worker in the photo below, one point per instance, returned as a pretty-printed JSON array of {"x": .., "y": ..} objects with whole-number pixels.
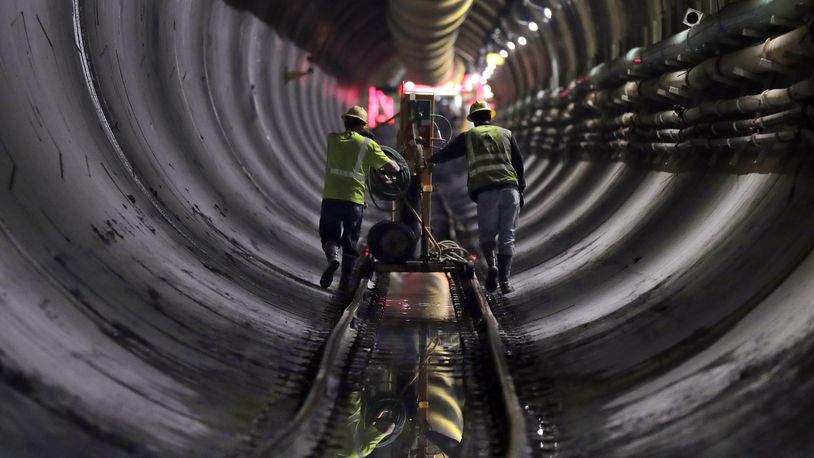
[
  {"x": 496, "y": 184},
  {"x": 349, "y": 156},
  {"x": 360, "y": 439}
]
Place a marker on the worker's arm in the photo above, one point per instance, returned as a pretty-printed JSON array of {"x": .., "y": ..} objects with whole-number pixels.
[
  {"x": 454, "y": 149},
  {"x": 517, "y": 164},
  {"x": 380, "y": 162}
]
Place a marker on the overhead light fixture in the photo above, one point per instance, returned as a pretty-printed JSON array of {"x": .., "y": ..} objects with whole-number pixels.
[
  {"x": 487, "y": 91},
  {"x": 522, "y": 41},
  {"x": 547, "y": 13},
  {"x": 533, "y": 26},
  {"x": 510, "y": 45},
  {"x": 503, "y": 53},
  {"x": 494, "y": 59}
]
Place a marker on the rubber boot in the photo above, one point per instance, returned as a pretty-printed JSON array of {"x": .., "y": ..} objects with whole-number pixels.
[
  {"x": 491, "y": 272},
  {"x": 332, "y": 255},
  {"x": 504, "y": 267},
  {"x": 348, "y": 263}
]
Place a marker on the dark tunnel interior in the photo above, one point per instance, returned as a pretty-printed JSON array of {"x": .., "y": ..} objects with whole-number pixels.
[{"x": 161, "y": 174}]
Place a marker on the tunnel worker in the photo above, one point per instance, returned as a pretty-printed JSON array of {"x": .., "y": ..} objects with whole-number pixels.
[
  {"x": 350, "y": 155},
  {"x": 496, "y": 184}
]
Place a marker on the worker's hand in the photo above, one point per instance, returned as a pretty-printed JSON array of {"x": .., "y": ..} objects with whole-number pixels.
[
  {"x": 522, "y": 202},
  {"x": 385, "y": 427},
  {"x": 387, "y": 178},
  {"x": 383, "y": 423}
]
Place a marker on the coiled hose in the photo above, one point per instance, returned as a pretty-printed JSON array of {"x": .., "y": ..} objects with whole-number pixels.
[{"x": 397, "y": 187}]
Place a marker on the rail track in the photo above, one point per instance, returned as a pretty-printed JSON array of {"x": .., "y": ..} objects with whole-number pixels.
[{"x": 415, "y": 366}]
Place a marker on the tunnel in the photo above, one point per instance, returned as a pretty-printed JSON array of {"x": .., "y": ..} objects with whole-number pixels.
[{"x": 162, "y": 167}]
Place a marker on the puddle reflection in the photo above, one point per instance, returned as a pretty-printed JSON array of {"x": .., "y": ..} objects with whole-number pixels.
[{"x": 412, "y": 400}]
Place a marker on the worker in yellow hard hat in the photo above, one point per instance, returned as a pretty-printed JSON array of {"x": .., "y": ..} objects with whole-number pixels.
[
  {"x": 350, "y": 155},
  {"x": 496, "y": 183}
]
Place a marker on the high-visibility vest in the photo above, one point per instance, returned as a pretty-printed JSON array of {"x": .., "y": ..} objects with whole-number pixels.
[
  {"x": 489, "y": 155},
  {"x": 349, "y": 157}
]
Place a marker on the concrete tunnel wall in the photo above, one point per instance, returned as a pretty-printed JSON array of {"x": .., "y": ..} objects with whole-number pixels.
[{"x": 159, "y": 255}]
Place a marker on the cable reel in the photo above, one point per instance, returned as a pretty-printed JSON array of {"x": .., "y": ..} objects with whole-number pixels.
[{"x": 392, "y": 242}]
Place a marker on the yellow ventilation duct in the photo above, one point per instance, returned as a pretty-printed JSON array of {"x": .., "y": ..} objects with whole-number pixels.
[{"x": 424, "y": 32}]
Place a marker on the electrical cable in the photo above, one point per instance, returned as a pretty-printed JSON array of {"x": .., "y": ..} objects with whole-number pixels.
[
  {"x": 449, "y": 250},
  {"x": 397, "y": 187},
  {"x": 449, "y": 124}
]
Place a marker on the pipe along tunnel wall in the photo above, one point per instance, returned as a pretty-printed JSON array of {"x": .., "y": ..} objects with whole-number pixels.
[{"x": 158, "y": 256}]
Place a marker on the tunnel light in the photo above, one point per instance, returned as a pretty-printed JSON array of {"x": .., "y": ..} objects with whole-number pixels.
[
  {"x": 504, "y": 54},
  {"x": 494, "y": 59},
  {"x": 547, "y": 13},
  {"x": 533, "y": 26},
  {"x": 458, "y": 102},
  {"x": 522, "y": 41},
  {"x": 511, "y": 45}
]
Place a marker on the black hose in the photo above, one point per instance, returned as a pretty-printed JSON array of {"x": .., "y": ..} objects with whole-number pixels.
[{"x": 398, "y": 186}]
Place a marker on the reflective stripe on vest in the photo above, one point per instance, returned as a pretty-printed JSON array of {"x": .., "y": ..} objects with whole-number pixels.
[
  {"x": 488, "y": 168},
  {"x": 490, "y": 162},
  {"x": 357, "y": 168}
]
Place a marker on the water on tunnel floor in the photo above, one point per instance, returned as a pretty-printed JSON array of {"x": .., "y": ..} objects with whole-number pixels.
[{"x": 411, "y": 401}]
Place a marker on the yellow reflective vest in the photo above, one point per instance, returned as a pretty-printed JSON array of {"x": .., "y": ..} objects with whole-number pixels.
[
  {"x": 489, "y": 155},
  {"x": 349, "y": 158}
]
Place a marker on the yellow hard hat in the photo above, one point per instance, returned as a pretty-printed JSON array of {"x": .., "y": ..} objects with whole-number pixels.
[
  {"x": 480, "y": 105},
  {"x": 356, "y": 112}
]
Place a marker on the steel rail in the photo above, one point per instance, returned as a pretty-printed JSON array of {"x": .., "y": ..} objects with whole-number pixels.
[
  {"x": 324, "y": 389},
  {"x": 518, "y": 444}
]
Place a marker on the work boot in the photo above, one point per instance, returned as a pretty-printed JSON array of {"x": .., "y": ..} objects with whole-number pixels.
[
  {"x": 332, "y": 255},
  {"x": 492, "y": 271},
  {"x": 504, "y": 267},
  {"x": 348, "y": 263}
]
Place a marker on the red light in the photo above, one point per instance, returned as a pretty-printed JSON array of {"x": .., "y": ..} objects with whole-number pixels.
[
  {"x": 637, "y": 60},
  {"x": 381, "y": 107}
]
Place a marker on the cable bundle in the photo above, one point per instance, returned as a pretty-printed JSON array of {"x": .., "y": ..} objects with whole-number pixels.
[{"x": 449, "y": 250}]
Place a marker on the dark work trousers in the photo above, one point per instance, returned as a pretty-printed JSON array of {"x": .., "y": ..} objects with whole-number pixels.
[{"x": 340, "y": 221}]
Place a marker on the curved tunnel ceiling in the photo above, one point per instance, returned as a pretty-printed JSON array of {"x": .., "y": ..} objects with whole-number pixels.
[{"x": 161, "y": 186}]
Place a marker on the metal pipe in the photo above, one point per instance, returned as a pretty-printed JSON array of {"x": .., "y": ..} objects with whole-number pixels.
[
  {"x": 749, "y": 16},
  {"x": 771, "y": 100},
  {"x": 773, "y": 55}
]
